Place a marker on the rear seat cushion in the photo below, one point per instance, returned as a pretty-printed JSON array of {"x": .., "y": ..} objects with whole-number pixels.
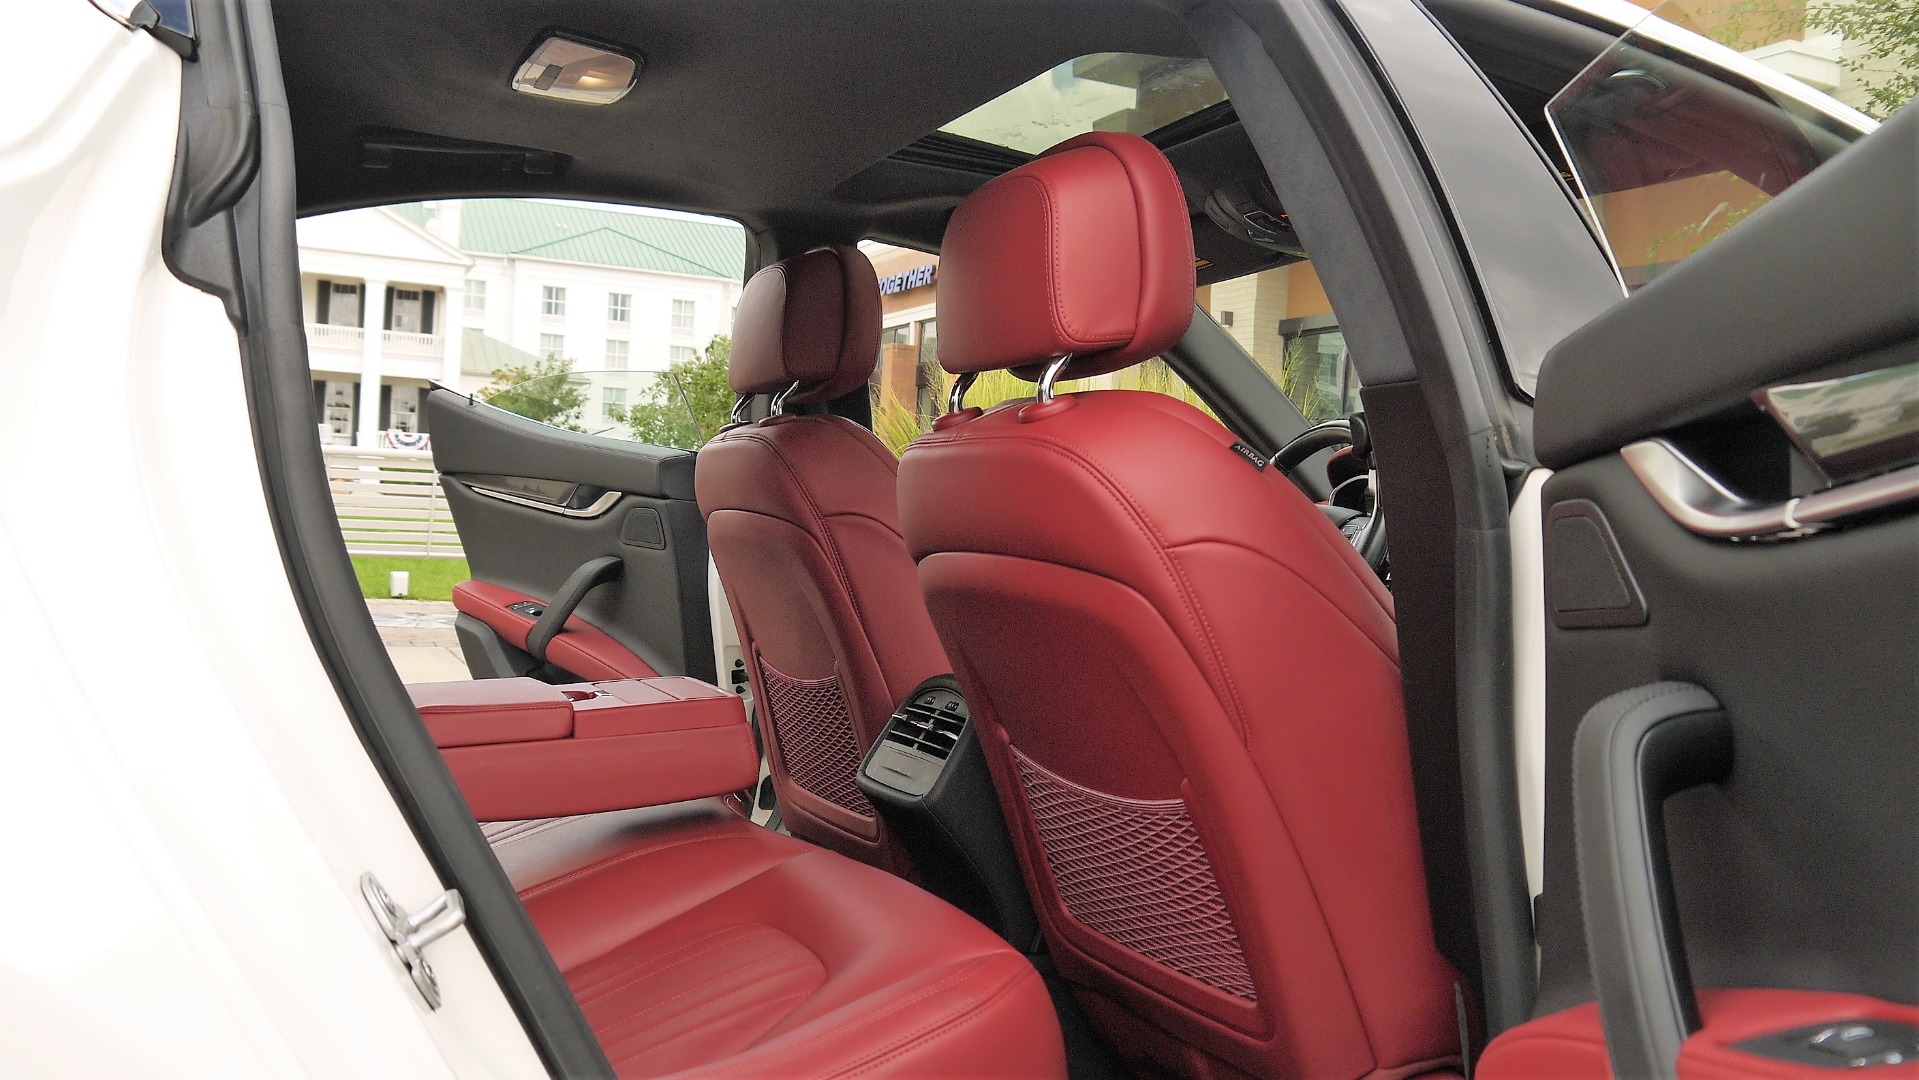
[
  {"x": 1571, "y": 1045},
  {"x": 700, "y": 944}
]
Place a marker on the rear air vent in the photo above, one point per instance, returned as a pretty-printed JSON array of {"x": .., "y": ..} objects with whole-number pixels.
[{"x": 930, "y": 723}]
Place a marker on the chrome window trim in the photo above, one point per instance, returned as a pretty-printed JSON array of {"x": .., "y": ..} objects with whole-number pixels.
[
  {"x": 594, "y": 509},
  {"x": 1697, "y": 501}
]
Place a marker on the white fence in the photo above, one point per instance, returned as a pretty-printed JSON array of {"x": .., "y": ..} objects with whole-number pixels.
[{"x": 390, "y": 503}]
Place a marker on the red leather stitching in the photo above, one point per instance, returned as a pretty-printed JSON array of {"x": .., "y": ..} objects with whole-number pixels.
[
  {"x": 599, "y": 988},
  {"x": 697, "y": 1028},
  {"x": 722, "y": 976},
  {"x": 757, "y": 1064},
  {"x": 927, "y": 1032},
  {"x": 547, "y": 886}
]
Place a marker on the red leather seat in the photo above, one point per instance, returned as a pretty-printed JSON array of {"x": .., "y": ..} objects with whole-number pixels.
[
  {"x": 1571, "y": 1044},
  {"x": 1186, "y": 681},
  {"x": 801, "y": 520},
  {"x": 699, "y": 944}
]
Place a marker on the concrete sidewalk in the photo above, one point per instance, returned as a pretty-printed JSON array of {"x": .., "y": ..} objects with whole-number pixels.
[{"x": 419, "y": 637}]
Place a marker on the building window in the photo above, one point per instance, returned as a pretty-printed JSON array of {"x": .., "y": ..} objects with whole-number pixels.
[
  {"x": 619, "y": 307},
  {"x": 475, "y": 295},
  {"x": 616, "y": 354},
  {"x": 552, "y": 300},
  {"x": 681, "y": 354},
  {"x": 337, "y": 304},
  {"x": 552, "y": 345},
  {"x": 1225, "y": 318},
  {"x": 613, "y": 400},
  {"x": 406, "y": 311},
  {"x": 683, "y": 315}
]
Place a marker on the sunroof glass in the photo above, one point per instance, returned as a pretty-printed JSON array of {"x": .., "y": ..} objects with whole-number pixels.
[{"x": 1099, "y": 92}]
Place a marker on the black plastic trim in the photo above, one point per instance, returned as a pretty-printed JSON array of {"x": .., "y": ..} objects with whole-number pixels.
[
  {"x": 1342, "y": 160},
  {"x": 1819, "y": 276},
  {"x": 584, "y": 579},
  {"x": 1632, "y": 751}
]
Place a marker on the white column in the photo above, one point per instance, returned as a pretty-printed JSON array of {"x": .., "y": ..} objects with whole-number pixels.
[
  {"x": 372, "y": 314},
  {"x": 452, "y": 330}
]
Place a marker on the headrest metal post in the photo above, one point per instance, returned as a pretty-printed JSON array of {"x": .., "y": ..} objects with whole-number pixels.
[
  {"x": 956, "y": 400},
  {"x": 779, "y": 399},
  {"x": 1050, "y": 376},
  {"x": 739, "y": 413}
]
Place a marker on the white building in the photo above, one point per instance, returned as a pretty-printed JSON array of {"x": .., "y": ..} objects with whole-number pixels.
[{"x": 609, "y": 289}]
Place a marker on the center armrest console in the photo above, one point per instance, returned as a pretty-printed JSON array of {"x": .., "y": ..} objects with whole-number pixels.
[{"x": 521, "y": 748}]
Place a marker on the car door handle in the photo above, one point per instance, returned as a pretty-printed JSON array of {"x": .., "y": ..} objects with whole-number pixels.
[
  {"x": 1632, "y": 751},
  {"x": 589, "y": 576},
  {"x": 1698, "y": 501}
]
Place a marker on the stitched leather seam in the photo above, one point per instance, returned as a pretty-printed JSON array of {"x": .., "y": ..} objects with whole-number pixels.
[
  {"x": 657, "y": 965},
  {"x": 1328, "y": 542},
  {"x": 697, "y": 1028},
  {"x": 752, "y": 984},
  {"x": 1056, "y": 312},
  {"x": 823, "y": 538},
  {"x": 504, "y": 706},
  {"x": 1303, "y": 579},
  {"x": 1124, "y": 497},
  {"x": 623, "y": 968},
  {"x": 932, "y": 1030},
  {"x": 547, "y": 886},
  {"x": 868, "y": 1020}
]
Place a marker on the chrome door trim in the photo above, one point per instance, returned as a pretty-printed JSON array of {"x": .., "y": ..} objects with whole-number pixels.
[
  {"x": 1700, "y": 503},
  {"x": 592, "y": 510}
]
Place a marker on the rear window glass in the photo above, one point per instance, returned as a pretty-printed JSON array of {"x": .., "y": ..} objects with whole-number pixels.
[{"x": 1690, "y": 122}]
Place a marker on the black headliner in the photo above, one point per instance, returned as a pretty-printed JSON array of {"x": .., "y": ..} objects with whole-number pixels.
[{"x": 780, "y": 113}]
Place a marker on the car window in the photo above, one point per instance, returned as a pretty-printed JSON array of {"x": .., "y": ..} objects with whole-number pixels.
[
  {"x": 1284, "y": 321},
  {"x": 1280, "y": 316},
  {"x": 660, "y": 408},
  {"x": 1703, "y": 113},
  {"x": 606, "y": 319},
  {"x": 909, "y": 387}
]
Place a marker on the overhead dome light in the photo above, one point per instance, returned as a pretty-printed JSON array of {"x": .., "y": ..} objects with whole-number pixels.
[{"x": 574, "y": 70}]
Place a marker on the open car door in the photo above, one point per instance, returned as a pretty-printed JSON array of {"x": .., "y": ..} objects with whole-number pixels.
[
  {"x": 1731, "y": 540},
  {"x": 588, "y": 553}
]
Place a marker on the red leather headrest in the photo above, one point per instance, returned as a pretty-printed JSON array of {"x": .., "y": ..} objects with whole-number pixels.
[
  {"x": 1086, "y": 250},
  {"x": 813, "y": 319}
]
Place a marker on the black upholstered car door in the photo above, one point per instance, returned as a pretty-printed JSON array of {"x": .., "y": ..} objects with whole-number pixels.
[
  {"x": 534, "y": 504},
  {"x": 1732, "y": 771}
]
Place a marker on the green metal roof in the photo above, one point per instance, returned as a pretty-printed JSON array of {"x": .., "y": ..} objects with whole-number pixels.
[
  {"x": 623, "y": 238},
  {"x": 482, "y": 355}
]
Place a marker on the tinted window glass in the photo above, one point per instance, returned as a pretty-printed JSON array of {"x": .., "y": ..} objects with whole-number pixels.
[{"x": 1674, "y": 139}]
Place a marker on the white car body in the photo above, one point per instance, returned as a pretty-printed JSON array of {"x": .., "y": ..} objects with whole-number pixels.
[{"x": 190, "y": 809}]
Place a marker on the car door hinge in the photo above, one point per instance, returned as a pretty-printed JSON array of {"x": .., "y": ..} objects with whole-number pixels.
[{"x": 410, "y": 934}]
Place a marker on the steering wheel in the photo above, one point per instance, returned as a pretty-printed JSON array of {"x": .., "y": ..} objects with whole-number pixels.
[{"x": 1365, "y": 530}]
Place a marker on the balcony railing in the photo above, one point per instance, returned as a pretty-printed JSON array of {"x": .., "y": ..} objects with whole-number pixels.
[
  {"x": 320, "y": 335},
  {"x": 392, "y": 342},
  {"x": 410, "y": 344}
]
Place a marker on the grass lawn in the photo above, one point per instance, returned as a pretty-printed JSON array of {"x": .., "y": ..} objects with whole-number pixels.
[{"x": 431, "y": 579}]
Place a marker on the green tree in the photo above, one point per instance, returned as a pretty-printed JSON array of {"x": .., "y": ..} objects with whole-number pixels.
[
  {"x": 1886, "y": 36},
  {"x": 1882, "y": 38},
  {"x": 689, "y": 403},
  {"x": 543, "y": 390}
]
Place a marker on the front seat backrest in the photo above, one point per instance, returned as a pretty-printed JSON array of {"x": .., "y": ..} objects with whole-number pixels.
[
  {"x": 802, "y": 520},
  {"x": 1185, "y": 680}
]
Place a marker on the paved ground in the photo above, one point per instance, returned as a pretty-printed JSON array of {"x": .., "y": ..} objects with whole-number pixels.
[{"x": 419, "y": 637}]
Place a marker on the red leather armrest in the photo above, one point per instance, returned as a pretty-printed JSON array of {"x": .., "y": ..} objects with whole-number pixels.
[
  {"x": 492, "y": 711},
  {"x": 522, "y": 749},
  {"x": 1570, "y": 1045},
  {"x": 579, "y": 647}
]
